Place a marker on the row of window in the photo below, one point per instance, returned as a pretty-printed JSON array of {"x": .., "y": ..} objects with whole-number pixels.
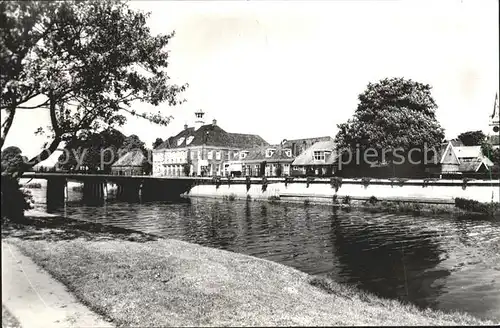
[{"x": 181, "y": 156}]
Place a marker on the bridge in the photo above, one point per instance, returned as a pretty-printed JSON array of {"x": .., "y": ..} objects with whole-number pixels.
[{"x": 131, "y": 188}]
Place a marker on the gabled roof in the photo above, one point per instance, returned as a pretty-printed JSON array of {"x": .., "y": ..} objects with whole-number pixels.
[
  {"x": 258, "y": 154},
  {"x": 288, "y": 143},
  {"x": 212, "y": 135},
  {"x": 132, "y": 158},
  {"x": 468, "y": 151},
  {"x": 307, "y": 157},
  {"x": 473, "y": 165}
]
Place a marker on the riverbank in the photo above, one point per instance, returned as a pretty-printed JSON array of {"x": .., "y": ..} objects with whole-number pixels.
[{"x": 135, "y": 279}]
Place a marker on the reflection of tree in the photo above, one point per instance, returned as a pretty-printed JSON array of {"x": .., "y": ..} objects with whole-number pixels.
[{"x": 391, "y": 262}]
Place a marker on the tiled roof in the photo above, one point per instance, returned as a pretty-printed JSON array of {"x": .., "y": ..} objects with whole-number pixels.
[
  {"x": 473, "y": 165},
  {"x": 307, "y": 157},
  {"x": 468, "y": 151},
  {"x": 132, "y": 158},
  {"x": 212, "y": 135},
  {"x": 258, "y": 154},
  {"x": 288, "y": 143}
]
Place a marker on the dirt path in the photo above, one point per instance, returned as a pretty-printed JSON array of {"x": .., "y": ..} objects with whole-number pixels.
[{"x": 35, "y": 299}]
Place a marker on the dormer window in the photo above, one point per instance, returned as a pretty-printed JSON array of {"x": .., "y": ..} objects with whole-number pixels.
[
  {"x": 319, "y": 155},
  {"x": 243, "y": 154},
  {"x": 180, "y": 141},
  {"x": 270, "y": 152},
  {"x": 189, "y": 140},
  {"x": 288, "y": 152}
]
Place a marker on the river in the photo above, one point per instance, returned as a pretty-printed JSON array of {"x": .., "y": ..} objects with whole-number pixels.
[{"x": 447, "y": 263}]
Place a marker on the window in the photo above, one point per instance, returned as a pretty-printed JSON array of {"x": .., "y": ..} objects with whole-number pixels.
[
  {"x": 319, "y": 155},
  {"x": 235, "y": 154},
  {"x": 217, "y": 155},
  {"x": 195, "y": 155},
  {"x": 180, "y": 141},
  {"x": 243, "y": 154},
  {"x": 269, "y": 152},
  {"x": 189, "y": 140},
  {"x": 210, "y": 154},
  {"x": 288, "y": 152},
  {"x": 228, "y": 155}
]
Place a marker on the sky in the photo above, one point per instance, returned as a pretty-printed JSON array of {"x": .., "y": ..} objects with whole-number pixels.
[{"x": 294, "y": 69}]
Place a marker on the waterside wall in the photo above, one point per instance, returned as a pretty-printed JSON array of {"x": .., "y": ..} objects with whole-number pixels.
[{"x": 437, "y": 192}]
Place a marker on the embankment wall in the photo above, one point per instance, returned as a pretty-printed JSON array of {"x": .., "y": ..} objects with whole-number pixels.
[{"x": 439, "y": 192}]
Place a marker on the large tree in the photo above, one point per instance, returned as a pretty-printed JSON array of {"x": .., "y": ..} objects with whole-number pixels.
[
  {"x": 392, "y": 113},
  {"x": 472, "y": 138},
  {"x": 85, "y": 62}
]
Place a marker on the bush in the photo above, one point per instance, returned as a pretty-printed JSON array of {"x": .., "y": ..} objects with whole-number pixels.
[
  {"x": 373, "y": 200},
  {"x": 365, "y": 181},
  {"x": 336, "y": 183},
  {"x": 346, "y": 200},
  {"x": 471, "y": 205},
  {"x": 14, "y": 200}
]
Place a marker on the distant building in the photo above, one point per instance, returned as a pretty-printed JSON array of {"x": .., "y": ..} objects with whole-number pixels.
[
  {"x": 129, "y": 164},
  {"x": 202, "y": 150},
  {"x": 298, "y": 146},
  {"x": 277, "y": 160},
  {"x": 455, "y": 159},
  {"x": 317, "y": 160},
  {"x": 269, "y": 161}
]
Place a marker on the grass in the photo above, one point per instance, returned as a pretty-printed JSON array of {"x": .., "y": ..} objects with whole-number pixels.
[{"x": 136, "y": 279}]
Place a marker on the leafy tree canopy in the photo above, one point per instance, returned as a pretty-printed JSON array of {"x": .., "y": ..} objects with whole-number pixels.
[
  {"x": 472, "y": 138},
  {"x": 392, "y": 113},
  {"x": 85, "y": 62},
  {"x": 157, "y": 142}
]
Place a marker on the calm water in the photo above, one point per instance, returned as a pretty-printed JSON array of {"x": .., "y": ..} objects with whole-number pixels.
[{"x": 440, "y": 262}]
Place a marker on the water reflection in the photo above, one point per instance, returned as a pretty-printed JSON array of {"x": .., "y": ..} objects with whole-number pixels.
[{"x": 444, "y": 263}]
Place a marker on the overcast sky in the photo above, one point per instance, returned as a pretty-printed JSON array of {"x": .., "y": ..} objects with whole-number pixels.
[{"x": 292, "y": 69}]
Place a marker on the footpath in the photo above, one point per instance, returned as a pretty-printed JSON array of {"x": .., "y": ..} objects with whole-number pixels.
[{"x": 36, "y": 299}]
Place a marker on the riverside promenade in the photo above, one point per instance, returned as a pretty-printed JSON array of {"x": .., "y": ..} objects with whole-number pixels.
[{"x": 35, "y": 299}]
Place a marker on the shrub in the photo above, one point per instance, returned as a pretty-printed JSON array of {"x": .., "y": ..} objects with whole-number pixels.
[
  {"x": 231, "y": 197},
  {"x": 335, "y": 199},
  {"x": 365, "y": 181},
  {"x": 336, "y": 183},
  {"x": 471, "y": 205},
  {"x": 306, "y": 202},
  {"x": 373, "y": 200},
  {"x": 14, "y": 199},
  {"x": 273, "y": 199},
  {"x": 465, "y": 182},
  {"x": 346, "y": 200}
]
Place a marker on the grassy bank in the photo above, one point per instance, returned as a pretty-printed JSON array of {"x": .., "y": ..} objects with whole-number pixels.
[{"x": 136, "y": 279}]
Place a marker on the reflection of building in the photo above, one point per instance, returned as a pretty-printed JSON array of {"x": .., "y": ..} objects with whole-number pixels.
[
  {"x": 318, "y": 159},
  {"x": 202, "y": 150},
  {"x": 129, "y": 164}
]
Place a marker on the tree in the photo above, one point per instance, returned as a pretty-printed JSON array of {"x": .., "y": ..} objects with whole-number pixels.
[
  {"x": 392, "y": 113},
  {"x": 157, "y": 142},
  {"x": 85, "y": 62},
  {"x": 472, "y": 138}
]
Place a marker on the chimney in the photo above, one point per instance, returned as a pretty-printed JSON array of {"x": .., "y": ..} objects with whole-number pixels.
[
  {"x": 214, "y": 122},
  {"x": 185, "y": 126}
]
